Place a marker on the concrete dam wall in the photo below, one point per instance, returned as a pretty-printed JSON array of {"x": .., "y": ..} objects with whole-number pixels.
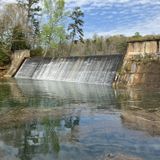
[
  {"x": 141, "y": 65},
  {"x": 91, "y": 69}
]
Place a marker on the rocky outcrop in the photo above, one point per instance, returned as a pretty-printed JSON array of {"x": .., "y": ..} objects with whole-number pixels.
[{"x": 18, "y": 58}]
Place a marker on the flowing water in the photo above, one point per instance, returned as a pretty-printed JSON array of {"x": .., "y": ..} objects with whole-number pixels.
[
  {"x": 45, "y": 120},
  {"x": 95, "y": 69}
]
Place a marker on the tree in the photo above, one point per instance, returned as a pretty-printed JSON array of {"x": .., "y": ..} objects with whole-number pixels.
[
  {"x": 18, "y": 39},
  {"x": 137, "y": 35},
  {"x": 4, "y": 58},
  {"x": 53, "y": 32},
  {"x": 75, "y": 28},
  {"x": 11, "y": 16},
  {"x": 33, "y": 12}
]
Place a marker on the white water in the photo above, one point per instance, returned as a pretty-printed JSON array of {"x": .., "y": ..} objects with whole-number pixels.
[{"x": 93, "y": 70}]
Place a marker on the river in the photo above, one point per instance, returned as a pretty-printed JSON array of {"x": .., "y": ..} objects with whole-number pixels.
[{"x": 45, "y": 120}]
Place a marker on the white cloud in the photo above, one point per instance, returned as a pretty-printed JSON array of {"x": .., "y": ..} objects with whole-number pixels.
[
  {"x": 150, "y": 26},
  {"x": 100, "y": 3}
]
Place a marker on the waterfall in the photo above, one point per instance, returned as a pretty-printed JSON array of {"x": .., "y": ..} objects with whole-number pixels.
[{"x": 90, "y": 69}]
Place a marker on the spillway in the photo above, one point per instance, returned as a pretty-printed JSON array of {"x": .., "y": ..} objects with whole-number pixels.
[{"x": 91, "y": 69}]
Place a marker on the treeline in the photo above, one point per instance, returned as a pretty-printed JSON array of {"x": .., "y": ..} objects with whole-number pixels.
[
  {"x": 97, "y": 45},
  {"x": 42, "y": 26},
  {"x": 47, "y": 29},
  {"x": 103, "y": 45}
]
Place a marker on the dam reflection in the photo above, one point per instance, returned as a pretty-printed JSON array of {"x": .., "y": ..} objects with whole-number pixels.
[
  {"x": 49, "y": 120},
  {"x": 54, "y": 94}
]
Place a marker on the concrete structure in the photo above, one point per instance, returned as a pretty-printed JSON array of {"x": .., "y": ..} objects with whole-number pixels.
[
  {"x": 141, "y": 65},
  {"x": 90, "y": 69},
  {"x": 143, "y": 47},
  {"x": 18, "y": 58}
]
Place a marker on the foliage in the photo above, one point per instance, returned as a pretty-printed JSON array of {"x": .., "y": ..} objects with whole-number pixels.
[
  {"x": 75, "y": 28},
  {"x": 143, "y": 38},
  {"x": 18, "y": 39},
  {"x": 53, "y": 32},
  {"x": 36, "y": 52},
  {"x": 4, "y": 58},
  {"x": 11, "y": 16},
  {"x": 33, "y": 12},
  {"x": 20, "y": 29}
]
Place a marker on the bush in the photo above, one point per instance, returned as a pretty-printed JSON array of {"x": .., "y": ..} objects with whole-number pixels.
[
  {"x": 19, "y": 41},
  {"x": 4, "y": 59},
  {"x": 37, "y": 52}
]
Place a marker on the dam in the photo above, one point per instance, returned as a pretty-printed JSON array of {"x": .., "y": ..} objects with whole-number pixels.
[{"x": 88, "y": 69}]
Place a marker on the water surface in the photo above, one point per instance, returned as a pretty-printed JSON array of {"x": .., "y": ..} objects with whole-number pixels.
[{"x": 44, "y": 120}]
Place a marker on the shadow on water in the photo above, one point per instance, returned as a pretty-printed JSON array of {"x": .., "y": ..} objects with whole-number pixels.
[{"x": 50, "y": 120}]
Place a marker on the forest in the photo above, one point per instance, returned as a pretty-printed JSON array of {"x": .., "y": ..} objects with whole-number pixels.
[{"x": 48, "y": 28}]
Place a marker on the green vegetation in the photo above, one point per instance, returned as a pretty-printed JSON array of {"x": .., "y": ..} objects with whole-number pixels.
[
  {"x": 4, "y": 58},
  {"x": 33, "y": 13},
  {"x": 19, "y": 41},
  {"x": 51, "y": 30},
  {"x": 140, "y": 38},
  {"x": 75, "y": 28}
]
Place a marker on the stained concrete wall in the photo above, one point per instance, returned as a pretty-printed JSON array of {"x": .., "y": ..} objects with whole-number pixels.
[
  {"x": 142, "y": 48},
  {"x": 17, "y": 59},
  {"x": 141, "y": 65}
]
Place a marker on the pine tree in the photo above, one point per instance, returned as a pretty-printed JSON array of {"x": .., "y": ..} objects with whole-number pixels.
[{"x": 75, "y": 28}]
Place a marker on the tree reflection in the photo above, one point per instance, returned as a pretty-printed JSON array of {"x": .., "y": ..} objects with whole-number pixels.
[{"x": 43, "y": 136}]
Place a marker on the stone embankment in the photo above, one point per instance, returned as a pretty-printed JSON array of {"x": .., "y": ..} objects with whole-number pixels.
[{"x": 141, "y": 65}]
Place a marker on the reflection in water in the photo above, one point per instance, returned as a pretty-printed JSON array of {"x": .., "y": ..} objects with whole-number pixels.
[
  {"x": 142, "y": 120},
  {"x": 69, "y": 92},
  {"x": 55, "y": 121},
  {"x": 140, "y": 99},
  {"x": 28, "y": 93},
  {"x": 43, "y": 136},
  {"x": 141, "y": 110}
]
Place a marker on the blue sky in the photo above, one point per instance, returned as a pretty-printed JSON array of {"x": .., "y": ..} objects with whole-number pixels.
[{"x": 110, "y": 17}]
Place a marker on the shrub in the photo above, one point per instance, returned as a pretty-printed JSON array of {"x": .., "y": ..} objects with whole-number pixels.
[
  {"x": 37, "y": 52},
  {"x": 4, "y": 58}
]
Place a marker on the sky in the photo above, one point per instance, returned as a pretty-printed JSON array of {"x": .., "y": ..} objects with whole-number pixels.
[{"x": 111, "y": 17}]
